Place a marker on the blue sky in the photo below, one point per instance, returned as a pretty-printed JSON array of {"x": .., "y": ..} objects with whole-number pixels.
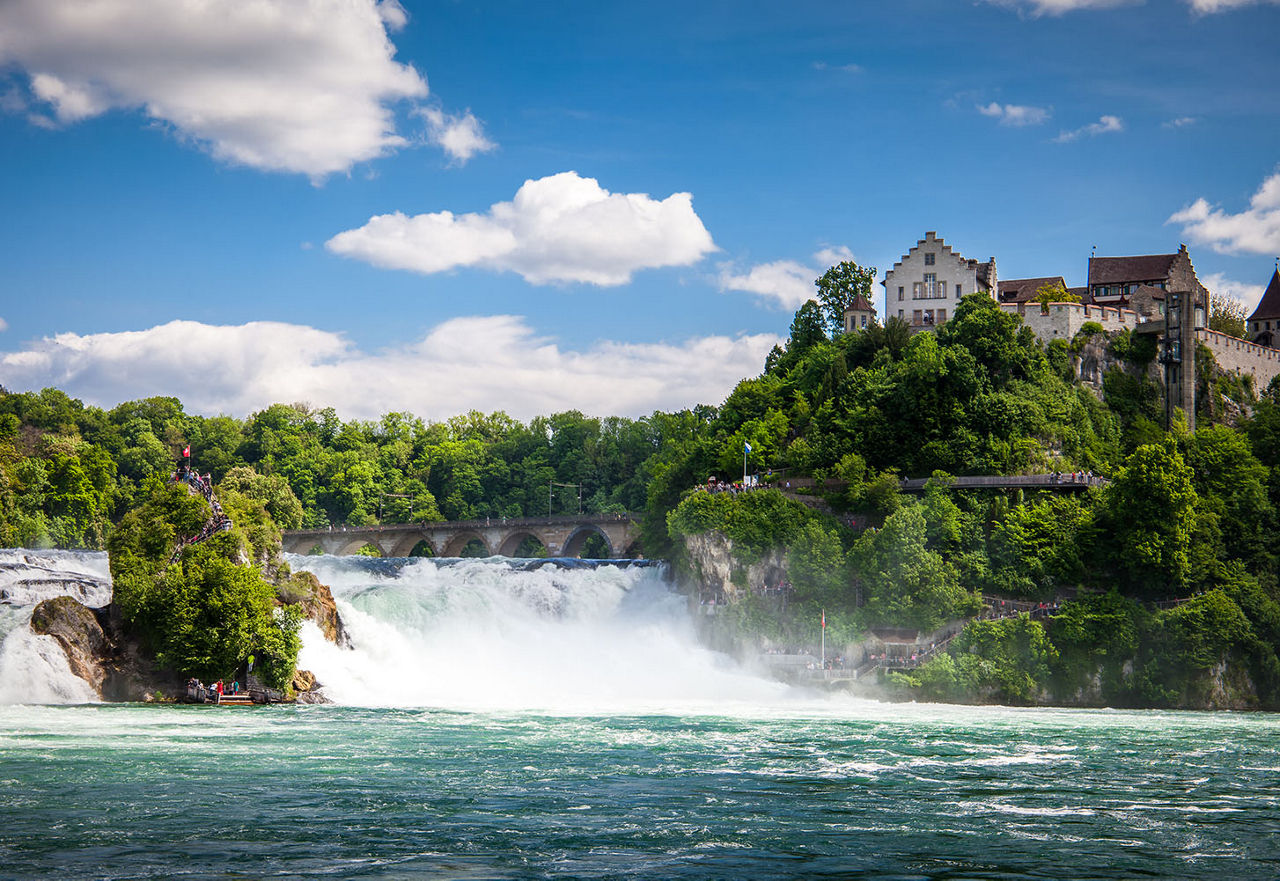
[{"x": 243, "y": 203}]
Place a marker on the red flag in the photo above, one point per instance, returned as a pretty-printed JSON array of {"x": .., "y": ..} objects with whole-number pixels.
[
  {"x": 187, "y": 451},
  {"x": 824, "y": 619}
]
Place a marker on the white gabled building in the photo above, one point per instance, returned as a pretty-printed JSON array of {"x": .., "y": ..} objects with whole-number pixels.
[{"x": 926, "y": 285}]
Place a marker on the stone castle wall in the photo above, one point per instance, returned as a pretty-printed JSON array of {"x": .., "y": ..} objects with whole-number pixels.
[
  {"x": 1064, "y": 320},
  {"x": 1241, "y": 358}
]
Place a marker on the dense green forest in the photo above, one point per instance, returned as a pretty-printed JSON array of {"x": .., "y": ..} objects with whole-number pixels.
[
  {"x": 67, "y": 470},
  {"x": 1186, "y": 516}
]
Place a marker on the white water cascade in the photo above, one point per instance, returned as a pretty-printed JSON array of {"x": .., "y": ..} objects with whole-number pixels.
[
  {"x": 489, "y": 635},
  {"x": 33, "y": 669}
]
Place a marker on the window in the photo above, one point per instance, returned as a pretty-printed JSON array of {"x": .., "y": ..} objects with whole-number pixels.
[
  {"x": 928, "y": 259},
  {"x": 902, "y": 315},
  {"x": 942, "y": 316},
  {"x": 916, "y": 317},
  {"x": 930, "y": 286},
  {"x": 900, "y": 291},
  {"x": 957, "y": 290},
  {"x": 864, "y": 321},
  {"x": 917, "y": 290}
]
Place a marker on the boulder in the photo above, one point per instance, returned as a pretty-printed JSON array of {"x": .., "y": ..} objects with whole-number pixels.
[
  {"x": 317, "y": 604},
  {"x": 76, "y": 629}
]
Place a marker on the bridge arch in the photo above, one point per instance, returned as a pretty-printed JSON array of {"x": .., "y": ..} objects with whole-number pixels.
[
  {"x": 510, "y": 546},
  {"x": 354, "y": 545},
  {"x": 577, "y": 540},
  {"x": 458, "y": 543},
  {"x": 405, "y": 546}
]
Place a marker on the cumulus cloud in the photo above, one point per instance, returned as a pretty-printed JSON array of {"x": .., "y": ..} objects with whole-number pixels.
[
  {"x": 1256, "y": 230},
  {"x": 461, "y": 136},
  {"x": 562, "y": 228},
  {"x": 786, "y": 283},
  {"x": 486, "y": 363},
  {"x": 1180, "y": 122},
  {"x": 4, "y": 325},
  {"x": 1221, "y": 286},
  {"x": 1016, "y": 115},
  {"x": 1103, "y": 126},
  {"x": 271, "y": 84}
]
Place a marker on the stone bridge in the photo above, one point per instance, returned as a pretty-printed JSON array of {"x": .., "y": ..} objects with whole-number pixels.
[{"x": 562, "y": 536}]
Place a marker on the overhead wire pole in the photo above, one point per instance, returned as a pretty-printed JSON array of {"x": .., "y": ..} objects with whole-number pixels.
[{"x": 552, "y": 483}]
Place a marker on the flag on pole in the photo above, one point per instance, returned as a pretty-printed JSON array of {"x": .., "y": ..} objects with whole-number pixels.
[
  {"x": 746, "y": 447},
  {"x": 824, "y": 619},
  {"x": 186, "y": 452}
]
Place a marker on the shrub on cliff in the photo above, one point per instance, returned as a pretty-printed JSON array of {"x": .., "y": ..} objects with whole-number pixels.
[{"x": 204, "y": 613}]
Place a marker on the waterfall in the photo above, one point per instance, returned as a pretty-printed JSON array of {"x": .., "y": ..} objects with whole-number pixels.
[
  {"x": 495, "y": 634},
  {"x": 33, "y": 669}
]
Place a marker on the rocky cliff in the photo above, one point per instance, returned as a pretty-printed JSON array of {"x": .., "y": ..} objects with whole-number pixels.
[{"x": 101, "y": 652}]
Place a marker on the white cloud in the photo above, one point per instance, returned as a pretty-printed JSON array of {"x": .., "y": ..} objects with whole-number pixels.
[
  {"x": 272, "y": 84},
  {"x": 1038, "y": 8},
  {"x": 1180, "y": 122},
  {"x": 1208, "y": 7},
  {"x": 4, "y": 325},
  {"x": 1016, "y": 115},
  {"x": 460, "y": 136},
  {"x": 562, "y": 228},
  {"x": 787, "y": 283},
  {"x": 1221, "y": 286},
  {"x": 831, "y": 255},
  {"x": 486, "y": 363},
  {"x": 841, "y": 68},
  {"x": 1256, "y": 230},
  {"x": 1103, "y": 126}
]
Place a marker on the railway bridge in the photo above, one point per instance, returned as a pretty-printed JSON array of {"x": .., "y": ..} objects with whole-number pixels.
[{"x": 562, "y": 536}]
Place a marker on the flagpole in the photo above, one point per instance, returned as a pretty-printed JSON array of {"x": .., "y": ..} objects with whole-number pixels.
[
  {"x": 824, "y": 641},
  {"x": 744, "y": 463}
]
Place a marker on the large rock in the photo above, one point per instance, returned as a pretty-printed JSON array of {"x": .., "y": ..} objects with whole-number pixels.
[
  {"x": 317, "y": 604},
  {"x": 76, "y": 629},
  {"x": 100, "y": 652}
]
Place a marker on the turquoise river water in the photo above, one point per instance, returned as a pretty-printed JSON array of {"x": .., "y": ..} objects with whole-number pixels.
[{"x": 497, "y": 723}]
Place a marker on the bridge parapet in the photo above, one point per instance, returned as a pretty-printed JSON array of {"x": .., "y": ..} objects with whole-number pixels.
[{"x": 561, "y": 535}]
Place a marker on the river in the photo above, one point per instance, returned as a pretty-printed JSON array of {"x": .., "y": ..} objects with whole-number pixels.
[{"x": 498, "y": 723}]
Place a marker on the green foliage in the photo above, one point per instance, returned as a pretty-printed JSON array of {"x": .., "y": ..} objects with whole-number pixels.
[
  {"x": 206, "y": 612},
  {"x": 1227, "y": 315},
  {"x": 904, "y": 583},
  {"x": 1006, "y": 660},
  {"x": 756, "y": 522},
  {"x": 1095, "y": 637},
  {"x": 839, "y": 287},
  {"x": 1037, "y": 550},
  {"x": 273, "y": 491}
]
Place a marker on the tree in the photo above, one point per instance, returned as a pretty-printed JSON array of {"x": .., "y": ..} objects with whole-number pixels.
[
  {"x": 839, "y": 287},
  {"x": 807, "y": 327},
  {"x": 1148, "y": 518},
  {"x": 1226, "y": 315},
  {"x": 904, "y": 583},
  {"x": 1054, "y": 292}
]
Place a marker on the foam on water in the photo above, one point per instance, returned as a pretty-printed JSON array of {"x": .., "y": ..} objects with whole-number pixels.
[
  {"x": 481, "y": 634},
  {"x": 34, "y": 669}
]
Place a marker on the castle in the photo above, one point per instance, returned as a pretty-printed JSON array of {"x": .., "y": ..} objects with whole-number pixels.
[{"x": 1152, "y": 293}]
